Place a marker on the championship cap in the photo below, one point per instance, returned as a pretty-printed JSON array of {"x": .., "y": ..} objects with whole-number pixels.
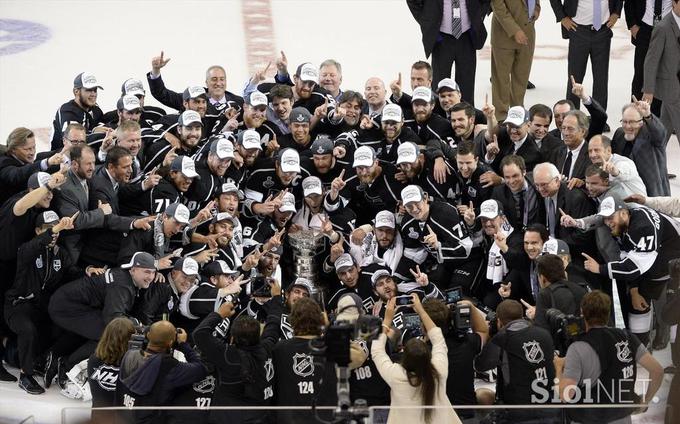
[
  {"x": 189, "y": 266},
  {"x": 186, "y": 166},
  {"x": 179, "y": 212},
  {"x": 218, "y": 267},
  {"x": 385, "y": 219},
  {"x": 287, "y": 203},
  {"x": 141, "y": 260},
  {"x": 87, "y": 81},
  {"x": 257, "y": 99},
  {"x": 610, "y": 205},
  {"x": 322, "y": 146},
  {"x": 490, "y": 209},
  {"x": 448, "y": 83},
  {"x": 517, "y": 116},
  {"x": 343, "y": 262},
  {"x": 391, "y": 112},
  {"x": 227, "y": 188},
  {"x": 225, "y": 216},
  {"x": 300, "y": 114},
  {"x": 411, "y": 193},
  {"x": 289, "y": 160},
  {"x": 422, "y": 93},
  {"x": 363, "y": 156},
  {"x": 194, "y": 92},
  {"x": 46, "y": 218},
  {"x": 302, "y": 283},
  {"x": 407, "y": 153},
  {"x": 249, "y": 139},
  {"x": 312, "y": 185},
  {"x": 381, "y": 273},
  {"x": 555, "y": 247},
  {"x": 128, "y": 102},
  {"x": 223, "y": 148},
  {"x": 350, "y": 307},
  {"x": 133, "y": 86},
  {"x": 37, "y": 180},
  {"x": 308, "y": 72},
  {"x": 189, "y": 117}
]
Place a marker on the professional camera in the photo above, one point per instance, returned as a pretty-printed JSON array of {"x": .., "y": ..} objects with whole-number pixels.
[
  {"x": 459, "y": 319},
  {"x": 138, "y": 339},
  {"x": 262, "y": 286},
  {"x": 564, "y": 328}
]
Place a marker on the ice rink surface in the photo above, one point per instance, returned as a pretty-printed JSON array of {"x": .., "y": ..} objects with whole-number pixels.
[{"x": 45, "y": 44}]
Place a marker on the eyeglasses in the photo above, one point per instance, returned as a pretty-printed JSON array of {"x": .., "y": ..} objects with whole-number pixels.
[
  {"x": 630, "y": 122},
  {"x": 75, "y": 141}
]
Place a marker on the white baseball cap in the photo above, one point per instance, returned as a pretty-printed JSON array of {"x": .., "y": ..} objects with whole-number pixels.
[
  {"x": 223, "y": 148},
  {"x": 308, "y": 72},
  {"x": 407, "y": 152},
  {"x": 249, "y": 139},
  {"x": 288, "y": 203},
  {"x": 189, "y": 117},
  {"x": 257, "y": 99},
  {"x": 312, "y": 185},
  {"x": 344, "y": 261},
  {"x": 133, "y": 86},
  {"x": 411, "y": 193},
  {"x": 610, "y": 205},
  {"x": 385, "y": 219},
  {"x": 187, "y": 265},
  {"x": 289, "y": 160},
  {"x": 391, "y": 112},
  {"x": 179, "y": 212},
  {"x": 185, "y": 165},
  {"x": 128, "y": 102},
  {"x": 363, "y": 156},
  {"x": 517, "y": 116},
  {"x": 422, "y": 93},
  {"x": 490, "y": 209},
  {"x": 87, "y": 81},
  {"x": 448, "y": 83}
]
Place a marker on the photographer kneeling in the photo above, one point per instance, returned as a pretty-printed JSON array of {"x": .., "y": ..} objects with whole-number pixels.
[
  {"x": 605, "y": 359},
  {"x": 456, "y": 321},
  {"x": 244, "y": 365},
  {"x": 149, "y": 376}
]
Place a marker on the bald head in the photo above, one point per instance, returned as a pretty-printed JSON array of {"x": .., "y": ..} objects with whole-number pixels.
[
  {"x": 161, "y": 334},
  {"x": 374, "y": 92}
]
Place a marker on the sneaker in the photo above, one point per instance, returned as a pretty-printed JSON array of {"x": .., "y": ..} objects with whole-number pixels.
[
  {"x": 62, "y": 378},
  {"x": 5, "y": 375},
  {"x": 51, "y": 369},
  {"x": 28, "y": 384}
]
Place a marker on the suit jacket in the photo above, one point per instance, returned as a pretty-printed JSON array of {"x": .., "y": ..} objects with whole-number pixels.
[
  {"x": 582, "y": 161},
  {"x": 550, "y": 146},
  {"x": 510, "y": 16},
  {"x": 428, "y": 14},
  {"x": 598, "y": 119},
  {"x": 662, "y": 63},
  {"x": 649, "y": 155},
  {"x": 568, "y": 8},
  {"x": 102, "y": 245},
  {"x": 69, "y": 199},
  {"x": 528, "y": 151},
  {"x": 14, "y": 175},
  {"x": 503, "y": 194}
]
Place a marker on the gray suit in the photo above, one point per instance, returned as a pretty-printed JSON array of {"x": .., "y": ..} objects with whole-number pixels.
[
  {"x": 662, "y": 71},
  {"x": 68, "y": 200}
]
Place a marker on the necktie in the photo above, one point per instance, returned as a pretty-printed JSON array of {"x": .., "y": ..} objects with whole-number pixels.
[
  {"x": 87, "y": 190},
  {"x": 531, "y": 5},
  {"x": 551, "y": 216},
  {"x": 566, "y": 169},
  {"x": 534, "y": 281},
  {"x": 657, "y": 11},
  {"x": 519, "y": 208},
  {"x": 597, "y": 14},
  {"x": 456, "y": 23}
]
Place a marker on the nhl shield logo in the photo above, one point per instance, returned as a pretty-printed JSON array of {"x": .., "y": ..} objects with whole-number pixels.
[
  {"x": 303, "y": 365},
  {"x": 533, "y": 352},
  {"x": 623, "y": 351}
]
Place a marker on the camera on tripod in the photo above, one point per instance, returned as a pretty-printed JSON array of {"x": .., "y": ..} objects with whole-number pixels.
[{"x": 564, "y": 328}]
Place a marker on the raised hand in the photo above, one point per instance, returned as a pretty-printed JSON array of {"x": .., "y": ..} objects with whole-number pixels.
[
  {"x": 339, "y": 152},
  {"x": 366, "y": 122},
  {"x": 566, "y": 220},
  {"x": 206, "y": 256},
  {"x": 501, "y": 241},
  {"x": 420, "y": 277},
  {"x": 170, "y": 156},
  {"x": 144, "y": 223},
  {"x": 578, "y": 89},
  {"x": 204, "y": 214},
  {"x": 57, "y": 179},
  {"x": 260, "y": 75},
  {"x": 55, "y": 159},
  {"x": 395, "y": 87},
  {"x": 275, "y": 240},
  {"x": 431, "y": 238},
  {"x": 65, "y": 223},
  {"x": 505, "y": 290},
  {"x": 282, "y": 64},
  {"x": 357, "y": 236},
  {"x": 109, "y": 140},
  {"x": 337, "y": 249},
  {"x": 610, "y": 168},
  {"x": 469, "y": 215},
  {"x": 591, "y": 264},
  {"x": 326, "y": 226},
  {"x": 322, "y": 111},
  {"x": 337, "y": 185},
  {"x": 492, "y": 149},
  {"x": 252, "y": 259},
  {"x": 488, "y": 109},
  {"x": 157, "y": 63},
  {"x": 642, "y": 106},
  {"x": 530, "y": 310}
]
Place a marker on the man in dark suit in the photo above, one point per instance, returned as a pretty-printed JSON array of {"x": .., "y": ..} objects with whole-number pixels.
[
  {"x": 519, "y": 197},
  {"x": 513, "y": 139},
  {"x": 102, "y": 245},
  {"x": 641, "y": 17},
  {"x": 587, "y": 26},
  {"x": 598, "y": 116},
  {"x": 540, "y": 117},
  {"x": 452, "y": 32},
  {"x": 572, "y": 158},
  {"x": 662, "y": 69},
  {"x": 643, "y": 139}
]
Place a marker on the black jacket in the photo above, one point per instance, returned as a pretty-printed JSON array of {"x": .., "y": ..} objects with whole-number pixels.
[
  {"x": 14, "y": 175},
  {"x": 528, "y": 151},
  {"x": 428, "y": 14},
  {"x": 598, "y": 119},
  {"x": 504, "y": 195},
  {"x": 70, "y": 112}
]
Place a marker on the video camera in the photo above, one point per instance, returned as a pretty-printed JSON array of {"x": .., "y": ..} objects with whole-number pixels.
[
  {"x": 564, "y": 328},
  {"x": 334, "y": 345}
]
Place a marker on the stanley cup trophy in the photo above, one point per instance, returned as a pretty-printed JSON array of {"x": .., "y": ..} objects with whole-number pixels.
[{"x": 307, "y": 244}]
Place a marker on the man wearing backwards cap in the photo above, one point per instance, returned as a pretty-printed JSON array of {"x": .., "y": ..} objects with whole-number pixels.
[
  {"x": 428, "y": 125},
  {"x": 575, "y": 273},
  {"x": 650, "y": 240},
  {"x": 265, "y": 184},
  {"x": 352, "y": 280},
  {"x": 40, "y": 269},
  {"x": 82, "y": 109},
  {"x": 433, "y": 234},
  {"x": 379, "y": 243},
  {"x": 85, "y": 306},
  {"x": 214, "y": 169},
  {"x": 372, "y": 186},
  {"x": 189, "y": 131}
]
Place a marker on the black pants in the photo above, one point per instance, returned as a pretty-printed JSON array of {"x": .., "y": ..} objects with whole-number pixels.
[
  {"x": 641, "y": 43},
  {"x": 586, "y": 43},
  {"x": 32, "y": 327},
  {"x": 450, "y": 50}
]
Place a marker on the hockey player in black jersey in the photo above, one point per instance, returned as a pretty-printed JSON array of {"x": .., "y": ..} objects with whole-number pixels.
[
  {"x": 299, "y": 137},
  {"x": 352, "y": 280},
  {"x": 416, "y": 168},
  {"x": 212, "y": 169},
  {"x": 426, "y": 124},
  {"x": 189, "y": 133},
  {"x": 172, "y": 188},
  {"x": 83, "y": 109},
  {"x": 649, "y": 240}
]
